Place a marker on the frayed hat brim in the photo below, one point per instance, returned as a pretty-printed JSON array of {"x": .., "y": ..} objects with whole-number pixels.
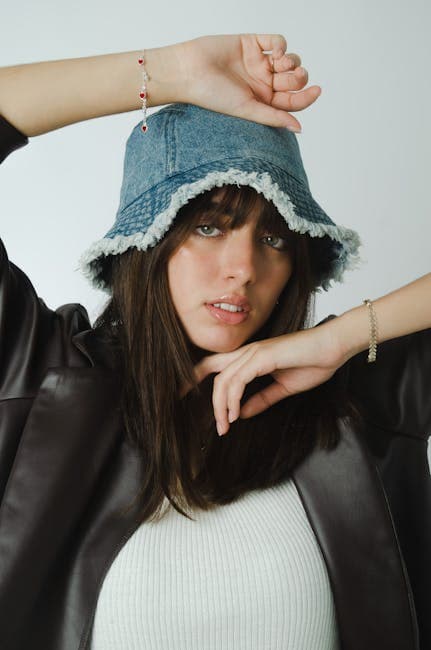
[{"x": 118, "y": 239}]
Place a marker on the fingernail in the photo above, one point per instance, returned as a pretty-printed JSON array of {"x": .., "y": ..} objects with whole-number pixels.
[
  {"x": 219, "y": 429},
  {"x": 294, "y": 129}
]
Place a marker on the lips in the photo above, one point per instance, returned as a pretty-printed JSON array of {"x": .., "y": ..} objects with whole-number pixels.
[
  {"x": 232, "y": 299},
  {"x": 229, "y": 317}
]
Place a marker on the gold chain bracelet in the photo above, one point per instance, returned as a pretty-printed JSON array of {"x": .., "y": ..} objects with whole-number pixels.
[{"x": 372, "y": 351}]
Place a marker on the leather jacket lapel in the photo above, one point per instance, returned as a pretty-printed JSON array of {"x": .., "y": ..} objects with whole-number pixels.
[
  {"x": 347, "y": 508},
  {"x": 72, "y": 438}
]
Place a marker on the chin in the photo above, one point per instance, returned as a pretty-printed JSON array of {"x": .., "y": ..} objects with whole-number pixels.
[{"x": 218, "y": 346}]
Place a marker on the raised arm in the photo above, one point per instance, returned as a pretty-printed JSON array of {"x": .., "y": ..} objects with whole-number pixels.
[
  {"x": 403, "y": 311},
  {"x": 228, "y": 73}
]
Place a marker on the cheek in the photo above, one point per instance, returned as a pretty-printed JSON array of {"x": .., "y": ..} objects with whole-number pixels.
[
  {"x": 281, "y": 276},
  {"x": 187, "y": 273}
]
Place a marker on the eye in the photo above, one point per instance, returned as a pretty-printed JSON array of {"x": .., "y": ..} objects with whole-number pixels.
[
  {"x": 205, "y": 225},
  {"x": 282, "y": 243}
]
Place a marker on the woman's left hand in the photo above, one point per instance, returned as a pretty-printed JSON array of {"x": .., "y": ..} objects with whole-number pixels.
[
  {"x": 230, "y": 73},
  {"x": 297, "y": 361}
]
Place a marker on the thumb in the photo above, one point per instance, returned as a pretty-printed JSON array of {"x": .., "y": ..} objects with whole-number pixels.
[
  {"x": 257, "y": 111},
  {"x": 262, "y": 400}
]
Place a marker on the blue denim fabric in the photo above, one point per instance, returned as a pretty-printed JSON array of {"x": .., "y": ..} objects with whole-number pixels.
[{"x": 187, "y": 150}]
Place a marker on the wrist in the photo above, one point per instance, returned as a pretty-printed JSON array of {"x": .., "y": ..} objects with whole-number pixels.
[
  {"x": 352, "y": 331},
  {"x": 167, "y": 70}
]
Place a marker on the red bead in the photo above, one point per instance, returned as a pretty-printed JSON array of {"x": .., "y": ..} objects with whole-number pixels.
[
  {"x": 144, "y": 128},
  {"x": 140, "y": 61},
  {"x": 142, "y": 95}
]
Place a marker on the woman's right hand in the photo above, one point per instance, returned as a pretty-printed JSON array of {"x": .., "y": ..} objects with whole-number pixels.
[{"x": 231, "y": 74}]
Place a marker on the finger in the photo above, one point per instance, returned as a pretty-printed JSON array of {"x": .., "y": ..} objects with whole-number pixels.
[
  {"x": 222, "y": 387},
  {"x": 256, "y": 111},
  {"x": 291, "y": 101},
  {"x": 295, "y": 80},
  {"x": 229, "y": 387},
  {"x": 184, "y": 390},
  {"x": 262, "y": 400},
  {"x": 275, "y": 43},
  {"x": 286, "y": 62},
  {"x": 216, "y": 363},
  {"x": 219, "y": 404},
  {"x": 257, "y": 366},
  {"x": 212, "y": 363},
  {"x": 292, "y": 56},
  {"x": 208, "y": 365}
]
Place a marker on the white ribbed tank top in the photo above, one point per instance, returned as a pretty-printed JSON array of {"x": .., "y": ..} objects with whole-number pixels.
[{"x": 248, "y": 575}]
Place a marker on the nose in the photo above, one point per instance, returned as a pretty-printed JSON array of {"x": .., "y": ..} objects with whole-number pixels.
[{"x": 239, "y": 255}]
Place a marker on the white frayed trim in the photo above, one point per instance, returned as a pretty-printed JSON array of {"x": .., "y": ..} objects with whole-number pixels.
[{"x": 262, "y": 183}]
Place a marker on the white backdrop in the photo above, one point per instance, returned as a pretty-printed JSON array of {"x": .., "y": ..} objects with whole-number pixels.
[{"x": 365, "y": 143}]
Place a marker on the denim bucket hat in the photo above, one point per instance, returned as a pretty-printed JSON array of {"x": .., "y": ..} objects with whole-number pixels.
[{"x": 188, "y": 150}]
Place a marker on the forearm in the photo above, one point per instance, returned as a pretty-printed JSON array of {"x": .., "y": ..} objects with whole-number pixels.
[
  {"x": 401, "y": 312},
  {"x": 41, "y": 97}
]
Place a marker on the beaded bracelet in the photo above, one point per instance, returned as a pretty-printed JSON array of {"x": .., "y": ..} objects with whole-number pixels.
[
  {"x": 373, "y": 331},
  {"x": 143, "y": 93}
]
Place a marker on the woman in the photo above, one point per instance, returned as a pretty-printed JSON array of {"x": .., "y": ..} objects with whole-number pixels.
[{"x": 109, "y": 432}]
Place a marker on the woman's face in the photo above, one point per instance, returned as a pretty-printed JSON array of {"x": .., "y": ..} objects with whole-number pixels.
[{"x": 216, "y": 264}]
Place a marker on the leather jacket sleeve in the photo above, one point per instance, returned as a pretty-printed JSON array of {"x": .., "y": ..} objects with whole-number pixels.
[
  {"x": 395, "y": 390},
  {"x": 26, "y": 351},
  {"x": 26, "y": 333},
  {"x": 10, "y": 138},
  {"x": 25, "y": 321},
  {"x": 33, "y": 338}
]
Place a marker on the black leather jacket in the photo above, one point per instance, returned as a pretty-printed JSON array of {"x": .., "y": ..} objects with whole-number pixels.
[{"x": 66, "y": 471}]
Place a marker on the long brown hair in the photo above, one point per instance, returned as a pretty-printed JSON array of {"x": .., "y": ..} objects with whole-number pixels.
[{"x": 183, "y": 457}]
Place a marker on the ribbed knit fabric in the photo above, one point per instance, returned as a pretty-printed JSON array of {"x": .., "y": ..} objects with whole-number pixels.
[{"x": 245, "y": 576}]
